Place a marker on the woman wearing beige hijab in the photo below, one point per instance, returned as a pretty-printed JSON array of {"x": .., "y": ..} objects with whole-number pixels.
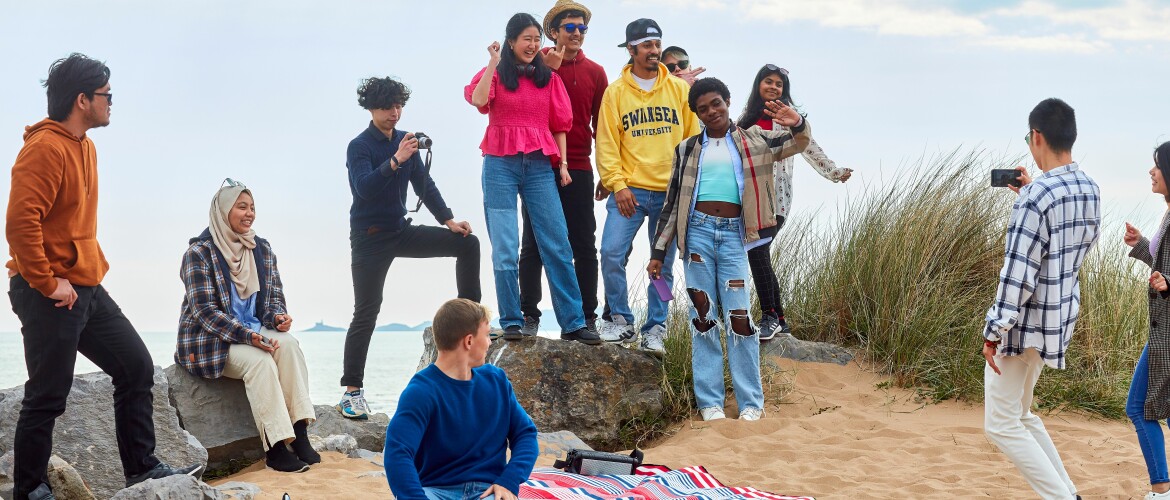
[{"x": 234, "y": 324}]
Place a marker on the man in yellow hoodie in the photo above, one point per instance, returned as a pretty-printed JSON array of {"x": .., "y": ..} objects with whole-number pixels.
[
  {"x": 644, "y": 116},
  {"x": 55, "y": 284}
]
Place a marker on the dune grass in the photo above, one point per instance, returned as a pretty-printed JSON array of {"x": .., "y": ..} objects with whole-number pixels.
[{"x": 908, "y": 273}]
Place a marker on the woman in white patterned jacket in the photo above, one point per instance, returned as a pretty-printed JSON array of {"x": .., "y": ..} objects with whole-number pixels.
[{"x": 772, "y": 84}]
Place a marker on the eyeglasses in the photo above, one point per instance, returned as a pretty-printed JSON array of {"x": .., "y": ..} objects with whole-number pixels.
[
  {"x": 229, "y": 182},
  {"x": 109, "y": 97},
  {"x": 681, "y": 64},
  {"x": 1028, "y": 138},
  {"x": 570, "y": 27},
  {"x": 773, "y": 67}
]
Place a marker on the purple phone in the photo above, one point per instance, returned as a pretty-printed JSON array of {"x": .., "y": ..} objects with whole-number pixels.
[{"x": 662, "y": 288}]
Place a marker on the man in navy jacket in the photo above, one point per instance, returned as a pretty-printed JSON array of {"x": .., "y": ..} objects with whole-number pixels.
[{"x": 382, "y": 160}]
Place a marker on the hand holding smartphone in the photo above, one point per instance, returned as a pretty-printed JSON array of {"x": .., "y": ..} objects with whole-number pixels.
[{"x": 1004, "y": 177}]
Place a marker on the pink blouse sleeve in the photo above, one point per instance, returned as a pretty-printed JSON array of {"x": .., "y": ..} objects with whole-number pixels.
[
  {"x": 560, "y": 112},
  {"x": 470, "y": 89}
]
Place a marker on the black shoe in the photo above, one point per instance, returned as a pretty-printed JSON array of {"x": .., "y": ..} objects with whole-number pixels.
[
  {"x": 163, "y": 470},
  {"x": 513, "y": 333},
  {"x": 42, "y": 493},
  {"x": 281, "y": 459},
  {"x": 531, "y": 326},
  {"x": 301, "y": 445},
  {"x": 582, "y": 335}
]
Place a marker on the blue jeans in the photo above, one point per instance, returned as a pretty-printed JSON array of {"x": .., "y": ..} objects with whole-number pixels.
[
  {"x": 466, "y": 491},
  {"x": 616, "y": 240},
  {"x": 530, "y": 177},
  {"x": 1149, "y": 433},
  {"x": 716, "y": 269}
]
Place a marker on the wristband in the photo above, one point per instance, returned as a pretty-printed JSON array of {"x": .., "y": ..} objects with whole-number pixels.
[
  {"x": 395, "y": 162},
  {"x": 994, "y": 344}
]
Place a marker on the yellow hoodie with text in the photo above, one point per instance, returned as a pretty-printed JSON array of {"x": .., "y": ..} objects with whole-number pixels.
[{"x": 637, "y": 131}]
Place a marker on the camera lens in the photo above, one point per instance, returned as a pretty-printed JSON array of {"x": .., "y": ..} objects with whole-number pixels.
[{"x": 424, "y": 142}]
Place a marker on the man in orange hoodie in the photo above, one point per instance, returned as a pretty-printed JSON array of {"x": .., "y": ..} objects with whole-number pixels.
[{"x": 55, "y": 287}]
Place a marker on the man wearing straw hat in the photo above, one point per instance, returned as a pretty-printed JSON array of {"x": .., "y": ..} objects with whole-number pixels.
[{"x": 585, "y": 80}]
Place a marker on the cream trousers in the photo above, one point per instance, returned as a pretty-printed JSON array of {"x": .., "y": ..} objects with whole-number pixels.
[
  {"x": 277, "y": 385},
  {"x": 1019, "y": 434}
]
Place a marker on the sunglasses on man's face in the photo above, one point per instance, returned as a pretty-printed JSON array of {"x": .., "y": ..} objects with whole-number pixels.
[
  {"x": 109, "y": 97},
  {"x": 1028, "y": 138},
  {"x": 571, "y": 27},
  {"x": 681, "y": 64}
]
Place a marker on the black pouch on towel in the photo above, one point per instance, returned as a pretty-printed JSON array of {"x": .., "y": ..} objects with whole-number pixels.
[{"x": 599, "y": 463}]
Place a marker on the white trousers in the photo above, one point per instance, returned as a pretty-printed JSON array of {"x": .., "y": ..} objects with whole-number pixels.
[
  {"x": 1019, "y": 434},
  {"x": 277, "y": 385}
]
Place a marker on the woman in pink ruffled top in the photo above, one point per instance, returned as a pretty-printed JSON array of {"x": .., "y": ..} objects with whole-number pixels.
[{"x": 528, "y": 115}]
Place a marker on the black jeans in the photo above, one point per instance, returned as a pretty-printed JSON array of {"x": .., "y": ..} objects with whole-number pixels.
[
  {"x": 371, "y": 256},
  {"x": 767, "y": 285},
  {"x": 577, "y": 203},
  {"x": 53, "y": 336}
]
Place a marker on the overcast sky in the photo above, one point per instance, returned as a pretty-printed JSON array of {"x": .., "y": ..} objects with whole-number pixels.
[{"x": 263, "y": 92}]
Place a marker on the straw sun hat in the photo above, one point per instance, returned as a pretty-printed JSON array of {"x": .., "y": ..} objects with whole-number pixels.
[{"x": 561, "y": 6}]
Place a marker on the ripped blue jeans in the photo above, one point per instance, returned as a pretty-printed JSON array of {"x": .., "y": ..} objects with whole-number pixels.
[{"x": 717, "y": 275}]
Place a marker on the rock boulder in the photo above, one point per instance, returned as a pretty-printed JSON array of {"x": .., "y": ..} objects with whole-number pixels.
[
  {"x": 592, "y": 391},
  {"x": 789, "y": 347},
  {"x": 370, "y": 434},
  {"x": 217, "y": 413},
  {"x": 84, "y": 435},
  {"x": 171, "y": 488}
]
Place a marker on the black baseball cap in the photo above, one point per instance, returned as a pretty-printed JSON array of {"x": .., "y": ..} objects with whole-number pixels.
[{"x": 641, "y": 30}]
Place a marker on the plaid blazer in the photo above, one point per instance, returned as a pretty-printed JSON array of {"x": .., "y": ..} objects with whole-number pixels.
[
  {"x": 758, "y": 149},
  {"x": 1158, "y": 358},
  {"x": 206, "y": 325}
]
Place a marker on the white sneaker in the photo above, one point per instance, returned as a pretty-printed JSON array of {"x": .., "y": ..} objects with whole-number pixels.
[
  {"x": 751, "y": 414},
  {"x": 652, "y": 341},
  {"x": 618, "y": 332},
  {"x": 353, "y": 405},
  {"x": 1157, "y": 496},
  {"x": 712, "y": 413}
]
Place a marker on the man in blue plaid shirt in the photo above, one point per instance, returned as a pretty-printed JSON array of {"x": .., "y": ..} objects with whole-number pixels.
[{"x": 1054, "y": 223}]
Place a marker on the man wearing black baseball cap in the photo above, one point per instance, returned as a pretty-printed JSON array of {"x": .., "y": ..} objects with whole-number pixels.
[{"x": 644, "y": 116}]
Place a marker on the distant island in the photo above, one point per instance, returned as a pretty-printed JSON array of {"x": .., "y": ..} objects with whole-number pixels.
[{"x": 320, "y": 326}]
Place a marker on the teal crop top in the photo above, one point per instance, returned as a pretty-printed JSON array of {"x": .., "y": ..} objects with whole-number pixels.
[{"x": 717, "y": 180}]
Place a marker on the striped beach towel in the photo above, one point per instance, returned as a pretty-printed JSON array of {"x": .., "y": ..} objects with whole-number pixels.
[{"x": 651, "y": 482}]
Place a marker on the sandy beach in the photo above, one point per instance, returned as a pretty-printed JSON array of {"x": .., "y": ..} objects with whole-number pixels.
[{"x": 837, "y": 435}]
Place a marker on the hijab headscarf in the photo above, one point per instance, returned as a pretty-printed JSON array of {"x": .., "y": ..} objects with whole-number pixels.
[{"x": 236, "y": 248}]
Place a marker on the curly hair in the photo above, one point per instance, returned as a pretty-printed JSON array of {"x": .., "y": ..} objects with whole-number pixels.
[
  {"x": 705, "y": 85},
  {"x": 382, "y": 93}
]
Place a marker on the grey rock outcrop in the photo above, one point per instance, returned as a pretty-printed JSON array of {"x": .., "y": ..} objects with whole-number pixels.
[
  {"x": 789, "y": 347},
  {"x": 370, "y": 434},
  {"x": 592, "y": 391},
  {"x": 238, "y": 490},
  {"x": 171, "y": 488},
  {"x": 341, "y": 443},
  {"x": 556, "y": 445},
  {"x": 217, "y": 413},
  {"x": 84, "y": 435}
]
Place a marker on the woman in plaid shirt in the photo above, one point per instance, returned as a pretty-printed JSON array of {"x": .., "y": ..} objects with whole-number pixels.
[{"x": 234, "y": 324}]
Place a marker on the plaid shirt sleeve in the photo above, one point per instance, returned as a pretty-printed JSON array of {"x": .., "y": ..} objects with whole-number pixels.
[
  {"x": 199, "y": 282},
  {"x": 275, "y": 303},
  {"x": 783, "y": 143},
  {"x": 1026, "y": 240},
  {"x": 667, "y": 224}
]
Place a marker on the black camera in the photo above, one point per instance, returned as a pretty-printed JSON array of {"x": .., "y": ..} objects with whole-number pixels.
[{"x": 424, "y": 141}]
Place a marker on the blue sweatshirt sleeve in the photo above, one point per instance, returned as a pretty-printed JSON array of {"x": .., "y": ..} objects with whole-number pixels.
[
  {"x": 403, "y": 436},
  {"x": 522, "y": 441},
  {"x": 366, "y": 178},
  {"x": 426, "y": 190}
]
